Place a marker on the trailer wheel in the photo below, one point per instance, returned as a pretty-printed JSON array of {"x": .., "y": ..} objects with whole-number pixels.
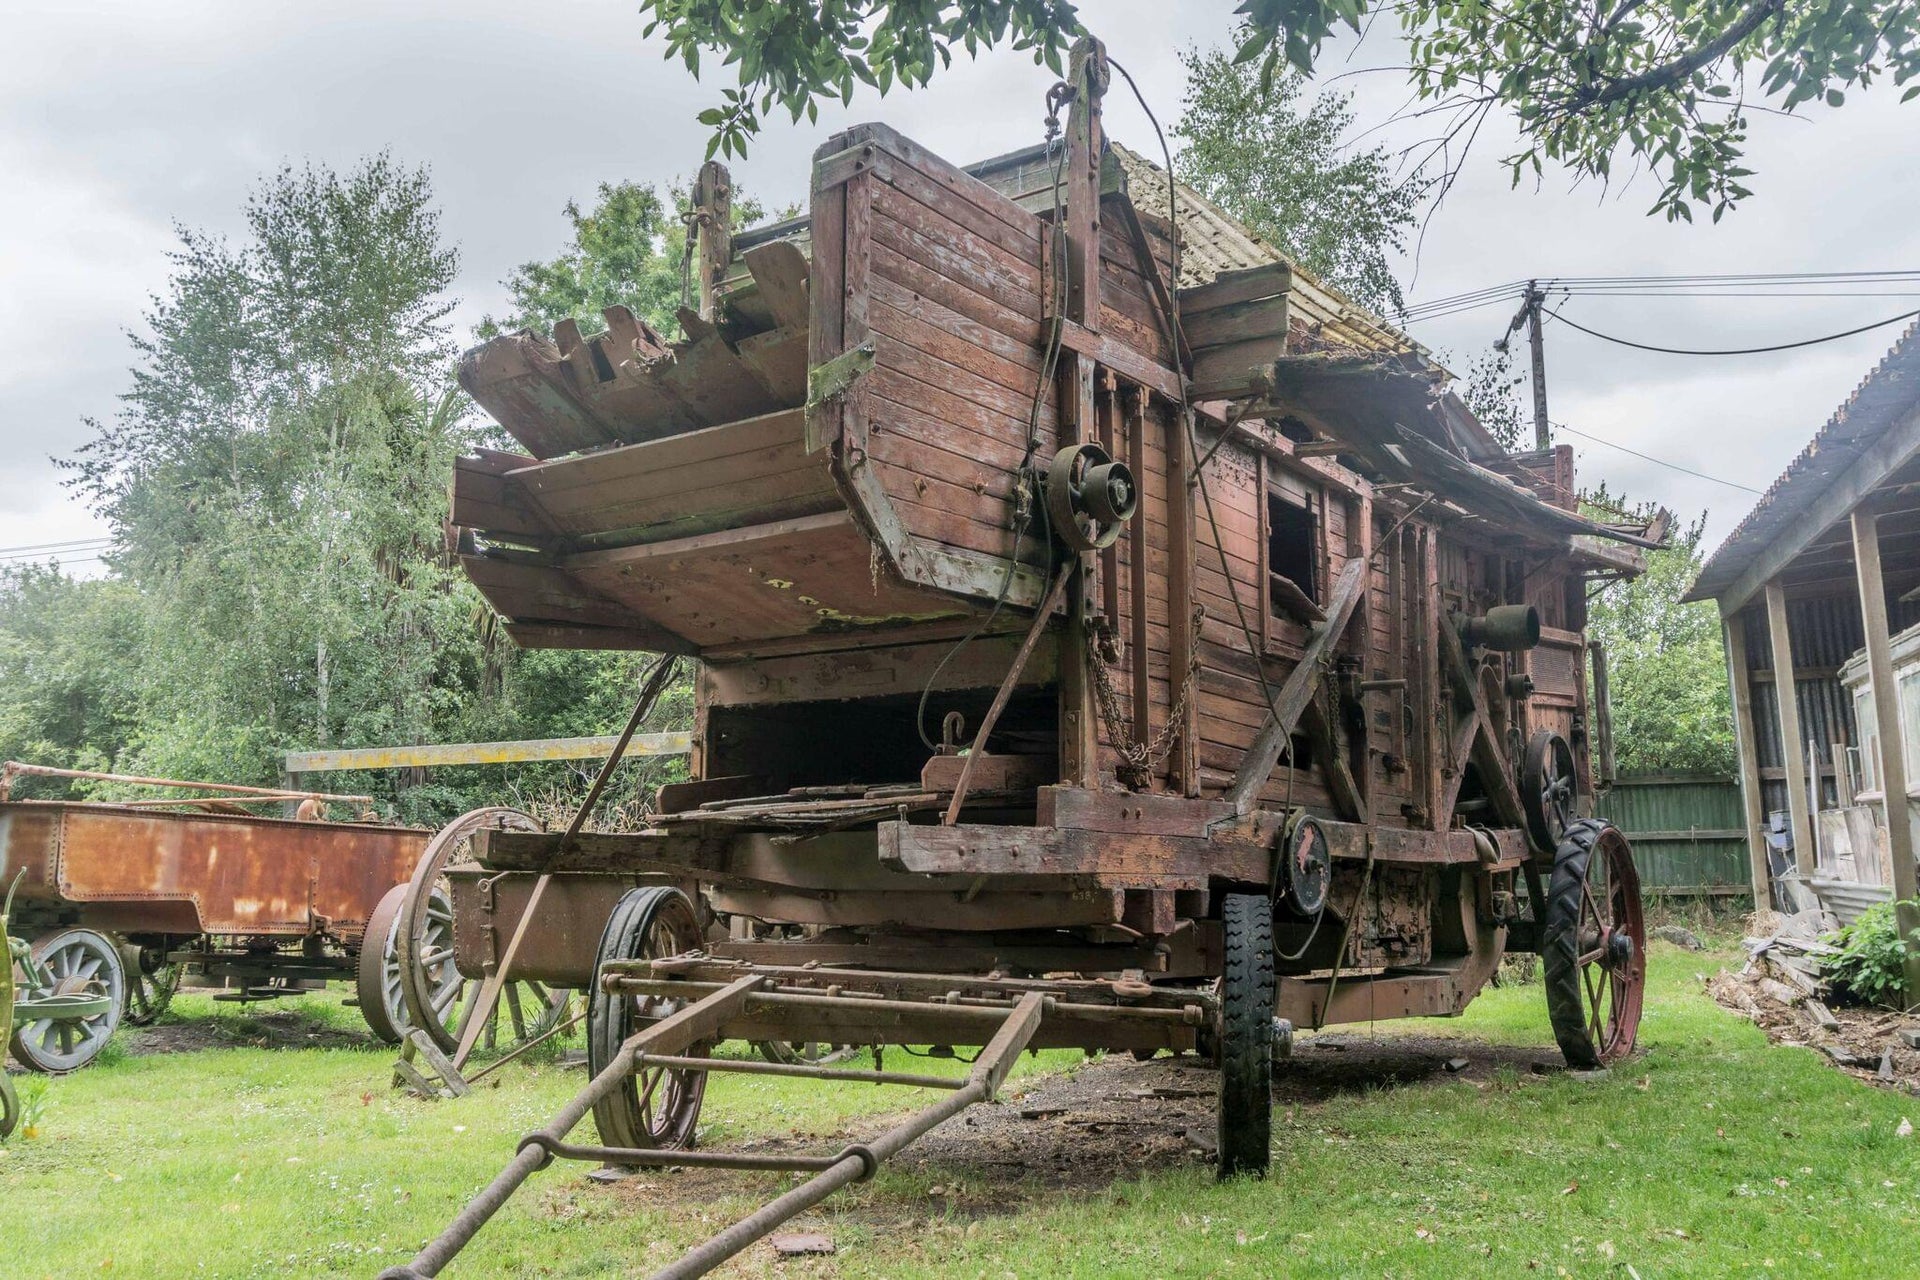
[
  {"x": 1593, "y": 945},
  {"x": 656, "y": 1107},
  {"x": 438, "y": 1000},
  {"x": 1245, "y": 1112},
  {"x": 377, "y": 984},
  {"x": 75, "y": 962}
]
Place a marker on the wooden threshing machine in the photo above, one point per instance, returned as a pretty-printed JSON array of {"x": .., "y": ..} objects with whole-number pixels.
[{"x": 1099, "y": 643}]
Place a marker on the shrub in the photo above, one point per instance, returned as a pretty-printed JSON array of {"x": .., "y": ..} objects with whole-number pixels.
[{"x": 1868, "y": 968}]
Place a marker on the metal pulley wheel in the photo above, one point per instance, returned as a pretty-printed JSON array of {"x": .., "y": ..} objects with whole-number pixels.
[
  {"x": 1307, "y": 870},
  {"x": 1090, "y": 497}
]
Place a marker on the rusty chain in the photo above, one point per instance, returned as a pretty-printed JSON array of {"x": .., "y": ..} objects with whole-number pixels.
[{"x": 1139, "y": 761}]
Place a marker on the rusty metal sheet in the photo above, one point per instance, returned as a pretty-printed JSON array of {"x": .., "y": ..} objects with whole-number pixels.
[{"x": 140, "y": 871}]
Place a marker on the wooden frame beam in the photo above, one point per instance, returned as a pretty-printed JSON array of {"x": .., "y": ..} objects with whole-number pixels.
[
  {"x": 1886, "y": 710},
  {"x": 1759, "y": 872},
  {"x": 1792, "y": 745}
]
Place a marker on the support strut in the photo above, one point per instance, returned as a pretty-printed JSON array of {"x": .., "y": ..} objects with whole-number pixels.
[{"x": 661, "y": 1044}]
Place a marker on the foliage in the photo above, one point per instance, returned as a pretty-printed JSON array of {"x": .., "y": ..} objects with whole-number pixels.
[
  {"x": 626, "y": 250},
  {"x": 1869, "y": 967},
  {"x": 1491, "y": 390},
  {"x": 1666, "y": 668},
  {"x": 1285, "y": 171},
  {"x": 67, "y": 652},
  {"x": 797, "y": 54},
  {"x": 1663, "y": 82}
]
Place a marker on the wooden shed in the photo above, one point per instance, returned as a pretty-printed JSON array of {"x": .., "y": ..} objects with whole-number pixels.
[{"x": 1826, "y": 567}]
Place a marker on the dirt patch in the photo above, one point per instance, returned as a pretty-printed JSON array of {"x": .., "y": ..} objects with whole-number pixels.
[
  {"x": 1082, "y": 1130},
  {"x": 266, "y": 1029},
  {"x": 1864, "y": 1042}
]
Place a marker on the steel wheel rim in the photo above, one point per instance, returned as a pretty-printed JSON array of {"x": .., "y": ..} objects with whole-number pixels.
[
  {"x": 77, "y": 962},
  {"x": 668, "y": 1100},
  {"x": 436, "y": 998},
  {"x": 1611, "y": 956}
]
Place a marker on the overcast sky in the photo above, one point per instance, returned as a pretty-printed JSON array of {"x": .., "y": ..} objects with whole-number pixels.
[{"x": 118, "y": 120}]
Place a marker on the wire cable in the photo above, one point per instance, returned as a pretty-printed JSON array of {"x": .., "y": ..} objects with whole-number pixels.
[
  {"x": 1658, "y": 462},
  {"x": 1733, "y": 351}
]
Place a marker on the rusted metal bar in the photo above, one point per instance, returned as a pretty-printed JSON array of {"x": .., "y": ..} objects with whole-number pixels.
[
  {"x": 15, "y": 769},
  {"x": 862, "y": 1160},
  {"x": 696, "y": 1022},
  {"x": 1190, "y": 1014},
  {"x": 542, "y": 1038},
  {"x": 755, "y": 1067},
  {"x": 664, "y": 1157}
]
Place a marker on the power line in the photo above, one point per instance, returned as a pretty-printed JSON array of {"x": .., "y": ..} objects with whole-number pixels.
[
  {"x": 1754, "y": 284},
  {"x": 1733, "y": 351},
  {"x": 96, "y": 540},
  {"x": 1659, "y": 462}
]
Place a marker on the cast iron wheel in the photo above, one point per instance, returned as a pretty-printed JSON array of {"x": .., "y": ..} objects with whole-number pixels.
[
  {"x": 79, "y": 962},
  {"x": 1593, "y": 946},
  {"x": 654, "y": 1107},
  {"x": 9, "y": 1106},
  {"x": 377, "y": 984},
  {"x": 1245, "y": 1110},
  {"x": 150, "y": 988},
  {"x": 438, "y": 999},
  {"x": 1547, "y": 789}
]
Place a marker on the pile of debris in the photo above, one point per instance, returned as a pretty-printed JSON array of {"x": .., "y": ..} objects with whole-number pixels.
[{"x": 1782, "y": 989}]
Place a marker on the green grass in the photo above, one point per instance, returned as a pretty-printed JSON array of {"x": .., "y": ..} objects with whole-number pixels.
[{"x": 1713, "y": 1154}]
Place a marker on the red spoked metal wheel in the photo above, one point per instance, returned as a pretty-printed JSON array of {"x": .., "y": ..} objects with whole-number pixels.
[{"x": 1593, "y": 945}]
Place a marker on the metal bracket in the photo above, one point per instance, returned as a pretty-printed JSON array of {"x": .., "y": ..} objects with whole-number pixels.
[{"x": 831, "y": 380}]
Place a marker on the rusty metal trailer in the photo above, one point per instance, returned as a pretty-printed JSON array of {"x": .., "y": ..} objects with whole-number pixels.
[
  {"x": 1075, "y": 587},
  {"x": 123, "y": 898}
]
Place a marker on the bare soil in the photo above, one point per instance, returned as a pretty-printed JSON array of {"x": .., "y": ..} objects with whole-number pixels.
[
  {"x": 262, "y": 1027},
  {"x": 1866, "y": 1036},
  {"x": 1081, "y": 1130}
]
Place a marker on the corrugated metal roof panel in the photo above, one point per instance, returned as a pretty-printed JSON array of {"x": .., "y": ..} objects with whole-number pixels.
[{"x": 1877, "y": 403}]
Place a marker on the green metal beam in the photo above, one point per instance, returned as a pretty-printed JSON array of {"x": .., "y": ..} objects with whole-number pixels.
[{"x": 643, "y": 744}]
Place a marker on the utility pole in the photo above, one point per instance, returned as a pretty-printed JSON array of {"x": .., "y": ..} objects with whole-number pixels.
[
  {"x": 1542, "y": 436},
  {"x": 1529, "y": 315}
]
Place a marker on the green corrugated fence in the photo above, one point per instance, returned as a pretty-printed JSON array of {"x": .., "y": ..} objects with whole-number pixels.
[{"x": 1688, "y": 831}]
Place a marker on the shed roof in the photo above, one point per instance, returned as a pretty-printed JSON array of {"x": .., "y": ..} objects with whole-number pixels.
[{"x": 1785, "y": 521}]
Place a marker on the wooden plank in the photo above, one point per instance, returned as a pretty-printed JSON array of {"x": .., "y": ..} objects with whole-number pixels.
[
  {"x": 469, "y": 753},
  {"x": 1125, "y": 360},
  {"x": 1792, "y": 745},
  {"x": 1231, "y": 287},
  {"x": 780, "y": 270},
  {"x": 1236, "y": 369},
  {"x": 1264, "y": 318},
  {"x": 1759, "y": 874},
  {"x": 978, "y": 849},
  {"x": 1294, "y": 694},
  {"x": 1892, "y": 754}
]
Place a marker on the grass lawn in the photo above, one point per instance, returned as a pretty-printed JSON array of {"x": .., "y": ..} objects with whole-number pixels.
[{"x": 1712, "y": 1154}]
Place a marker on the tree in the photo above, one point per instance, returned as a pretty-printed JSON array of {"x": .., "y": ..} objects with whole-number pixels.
[
  {"x": 1663, "y": 83},
  {"x": 1666, "y": 668},
  {"x": 67, "y": 651},
  {"x": 1284, "y": 171},
  {"x": 276, "y": 482},
  {"x": 627, "y": 250}
]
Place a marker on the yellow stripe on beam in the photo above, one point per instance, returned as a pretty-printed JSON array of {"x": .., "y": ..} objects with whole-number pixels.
[{"x": 643, "y": 744}]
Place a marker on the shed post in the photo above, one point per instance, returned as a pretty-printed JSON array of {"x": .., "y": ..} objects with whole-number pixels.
[
  {"x": 1886, "y": 710},
  {"x": 1791, "y": 743},
  {"x": 1735, "y": 632}
]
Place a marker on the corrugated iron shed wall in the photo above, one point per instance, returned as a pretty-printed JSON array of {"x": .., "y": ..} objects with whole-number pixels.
[{"x": 1825, "y": 631}]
